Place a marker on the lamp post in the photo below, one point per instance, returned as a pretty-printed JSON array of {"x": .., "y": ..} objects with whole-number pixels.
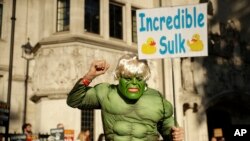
[
  {"x": 27, "y": 54},
  {"x": 12, "y": 40}
]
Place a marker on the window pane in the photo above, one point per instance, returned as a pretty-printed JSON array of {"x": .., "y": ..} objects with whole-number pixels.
[
  {"x": 134, "y": 32},
  {"x": 115, "y": 21},
  {"x": 88, "y": 121},
  {"x": 63, "y": 15},
  {"x": 92, "y": 16},
  {"x": 1, "y": 18}
]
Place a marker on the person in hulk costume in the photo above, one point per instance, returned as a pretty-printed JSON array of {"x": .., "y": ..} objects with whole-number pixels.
[{"x": 131, "y": 111}]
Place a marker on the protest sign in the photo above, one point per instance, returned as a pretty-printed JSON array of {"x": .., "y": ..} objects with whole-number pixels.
[{"x": 179, "y": 31}]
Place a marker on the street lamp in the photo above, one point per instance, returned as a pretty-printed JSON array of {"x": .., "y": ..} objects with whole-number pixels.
[
  {"x": 27, "y": 51},
  {"x": 27, "y": 54}
]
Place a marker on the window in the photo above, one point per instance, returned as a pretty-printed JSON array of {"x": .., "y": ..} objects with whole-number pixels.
[
  {"x": 115, "y": 20},
  {"x": 63, "y": 15},
  {"x": 92, "y": 16},
  {"x": 88, "y": 121},
  {"x": 1, "y": 17},
  {"x": 134, "y": 29}
]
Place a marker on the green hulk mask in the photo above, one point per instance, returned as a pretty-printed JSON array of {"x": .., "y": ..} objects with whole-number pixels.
[
  {"x": 131, "y": 88},
  {"x": 132, "y": 75}
]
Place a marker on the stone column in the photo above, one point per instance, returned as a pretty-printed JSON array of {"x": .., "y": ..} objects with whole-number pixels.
[
  {"x": 105, "y": 19},
  {"x": 77, "y": 16},
  {"x": 127, "y": 25}
]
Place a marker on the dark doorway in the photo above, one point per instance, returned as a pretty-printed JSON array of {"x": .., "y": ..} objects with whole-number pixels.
[
  {"x": 229, "y": 112},
  {"x": 218, "y": 119}
]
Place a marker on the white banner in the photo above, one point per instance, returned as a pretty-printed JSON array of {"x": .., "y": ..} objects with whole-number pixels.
[{"x": 172, "y": 31}]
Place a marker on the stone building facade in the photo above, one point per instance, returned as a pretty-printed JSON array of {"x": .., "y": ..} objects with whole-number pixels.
[{"x": 205, "y": 88}]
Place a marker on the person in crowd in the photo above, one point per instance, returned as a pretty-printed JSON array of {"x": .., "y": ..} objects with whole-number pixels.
[
  {"x": 59, "y": 125},
  {"x": 27, "y": 129},
  {"x": 131, "y": 110},
  {"x": 84, "y": 135},
  {"x": 213, "y": 139}
]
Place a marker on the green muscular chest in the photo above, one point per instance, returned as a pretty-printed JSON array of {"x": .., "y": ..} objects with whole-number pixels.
[
  {"x": 123, "y": 121},
  {"x": 149, "y": 107}
]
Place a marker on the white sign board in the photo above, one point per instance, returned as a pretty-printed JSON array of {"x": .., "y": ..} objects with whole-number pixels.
[{"x": 172, "y": 32}]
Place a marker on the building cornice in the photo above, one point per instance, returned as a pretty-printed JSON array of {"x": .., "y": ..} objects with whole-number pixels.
[
  {"x": 4, "y": 68},
  {"x": 114, "y": 44}
]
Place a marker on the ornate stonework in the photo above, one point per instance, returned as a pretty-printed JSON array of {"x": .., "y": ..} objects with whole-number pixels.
[{"x": 58, "y": 67}]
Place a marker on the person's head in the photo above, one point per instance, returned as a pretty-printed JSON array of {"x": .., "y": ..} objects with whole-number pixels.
[
  {"x": 86, "y": 132},
  {"x": 84, "y": 135},
  {"x": 213, "y": 139},
  {"x": 59, "y": 125},
  {"x": 27, "y": 128},
  {"x": 132, "y": 74}
]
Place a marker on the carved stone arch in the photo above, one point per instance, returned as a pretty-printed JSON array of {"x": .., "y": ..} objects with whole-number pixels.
[{"x": 230, "y": 98}]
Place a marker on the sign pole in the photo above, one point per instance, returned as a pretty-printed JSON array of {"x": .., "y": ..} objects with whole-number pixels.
[{"x": 174, "y": 103}]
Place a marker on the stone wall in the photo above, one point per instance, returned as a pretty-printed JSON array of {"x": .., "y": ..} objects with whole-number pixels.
[{"x": 59, "y": 66}]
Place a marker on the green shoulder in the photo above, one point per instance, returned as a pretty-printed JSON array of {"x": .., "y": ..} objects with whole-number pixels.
[
  {"x": 103, "y": 89},
  {"x": 167, "y": 105},
  {"x": 153, "y": 92}
]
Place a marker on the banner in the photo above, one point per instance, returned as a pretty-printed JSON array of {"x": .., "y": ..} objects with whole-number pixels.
[
  {"x": 57, "y": 133},
  {"x": 18, "y": 137},
  {"x": 68, "y": 135},
  {"x": 172, "y": 31}
]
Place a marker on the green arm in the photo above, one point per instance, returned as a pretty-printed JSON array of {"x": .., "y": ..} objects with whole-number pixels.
[
  {"x": 165, "y": 125},
  {"x": 83, "y": 97}
]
